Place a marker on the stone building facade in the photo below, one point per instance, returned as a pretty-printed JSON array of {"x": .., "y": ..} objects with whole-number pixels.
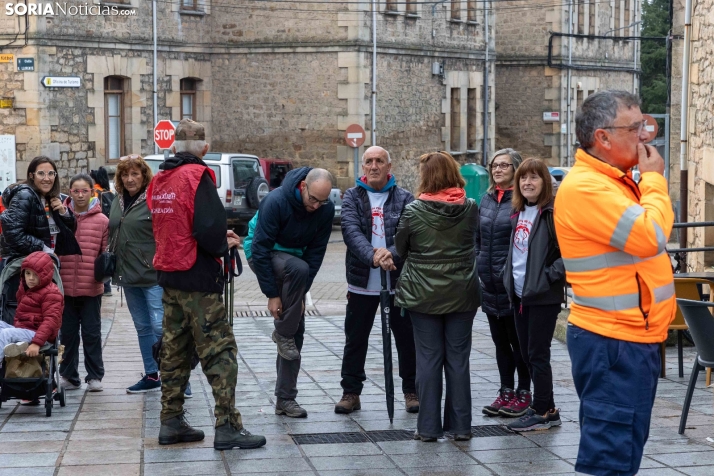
[
  {"x": 700, "y": 118},
  {"x": 528, "y": 86},
  {"x": 275, "y": 80}
]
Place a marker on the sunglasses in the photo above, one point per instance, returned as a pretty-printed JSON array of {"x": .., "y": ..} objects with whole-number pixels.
[{"x": 130, "y": 157}]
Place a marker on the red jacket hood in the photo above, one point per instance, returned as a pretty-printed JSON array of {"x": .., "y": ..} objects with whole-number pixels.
[{"x": 41, "y": 263}]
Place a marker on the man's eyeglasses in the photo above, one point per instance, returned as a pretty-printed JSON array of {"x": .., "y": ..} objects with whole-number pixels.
[
  {"x": 80, "y": 191},
  {"x": 636, "y": 127},
  {"x": 130, "y": 157},
  {"x": 42, "y": 174},
  {"x": 312, "y": 199},
  {"x": 500, "y": 166}
]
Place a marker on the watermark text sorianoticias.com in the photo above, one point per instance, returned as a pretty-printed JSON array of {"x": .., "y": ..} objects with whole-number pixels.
[{"x": 62, "y": 8}]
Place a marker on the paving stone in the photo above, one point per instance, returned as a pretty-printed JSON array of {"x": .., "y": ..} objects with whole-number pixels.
[
  {"x": 351, "y": 449},
  {"x": 27, "y": 460},
  {"x": 168, "y": 455},
  {"x": 679, "y": 460},
  {"x": 471, "y": 470},
  {"x": 523, "y": 468},
  {"x": 351, "y": 463},
  {"x": 505, "y": 456},
  {"x": 43, "y": 471},
  {"x": 185, "y": 469},
  {"x": 238, "y": 466},
  {"x": 421, "y": 460},
  {"x": 106, "y": 470},
  {"x": 413, "y": 446}
]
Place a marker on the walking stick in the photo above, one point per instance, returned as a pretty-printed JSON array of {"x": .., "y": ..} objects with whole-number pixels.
[{"x": 384, "y": 299}]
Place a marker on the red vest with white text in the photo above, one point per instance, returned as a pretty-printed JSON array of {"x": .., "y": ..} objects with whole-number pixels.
[{"x": 171, "y": 199}]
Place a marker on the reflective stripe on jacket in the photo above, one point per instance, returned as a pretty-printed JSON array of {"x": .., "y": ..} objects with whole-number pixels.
[{"x": 612, "y": 237}]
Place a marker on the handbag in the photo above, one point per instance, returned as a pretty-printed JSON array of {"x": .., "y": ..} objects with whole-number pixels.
[{"x": 105, "y": 264}]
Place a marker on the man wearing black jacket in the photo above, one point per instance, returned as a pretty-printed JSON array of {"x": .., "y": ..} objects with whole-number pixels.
[
  {"x": 190, "y": 229},
  {"x": 296, "y": 216}
]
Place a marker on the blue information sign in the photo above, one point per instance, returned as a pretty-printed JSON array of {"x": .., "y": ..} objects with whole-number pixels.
[{"x": 25, "y": 64}]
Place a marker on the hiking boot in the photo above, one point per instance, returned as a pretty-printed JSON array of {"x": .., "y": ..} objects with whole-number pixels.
[
  {"x": 188, "y": 393},
  {"x": 16, "y": 349},
  {"x": 531, "y": 421},
  {"x": 411, "y": 401},
  {"x": 554, "y": 417},
  {"x": 425, "y": 439},
  {"x": 504, "y": 398},
  {"x": 348, "y": 403},
  {"x": 286, "y": 347},
  {"x": 177, "y": 430},
  {"x": 94, "y": 385},
  {"x": 290, "y": 408},
  {"x": 146, "y": 384},
  {"x": 518, "y": 406},
  {"x": 229, "y": 437}
]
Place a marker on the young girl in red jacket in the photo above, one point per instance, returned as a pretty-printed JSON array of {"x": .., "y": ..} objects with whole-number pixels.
[{"x": 39, "y": 309}]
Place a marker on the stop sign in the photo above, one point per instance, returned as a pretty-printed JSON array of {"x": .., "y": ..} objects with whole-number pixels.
[{"x": 164, "y": 134}]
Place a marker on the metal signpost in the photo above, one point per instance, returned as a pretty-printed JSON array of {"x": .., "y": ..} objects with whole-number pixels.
[{"x": 354, "y": 136}]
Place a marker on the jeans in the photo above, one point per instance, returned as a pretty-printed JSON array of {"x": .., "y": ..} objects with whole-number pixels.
[
  {"x": 11, "y": 335},
  {"x": 443, "y": 344},
  {"x": 616, "y": 382},
  {"x": 358, "y": 325},
  {"x": 147, "y": 311},
  {"x": 84, "y": 311},
  {"x": 508, "y": 352},
  {"x": 535, "y": 326}
]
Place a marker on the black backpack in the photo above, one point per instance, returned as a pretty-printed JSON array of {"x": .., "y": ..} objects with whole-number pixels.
[{"x": 106, "y": 199}]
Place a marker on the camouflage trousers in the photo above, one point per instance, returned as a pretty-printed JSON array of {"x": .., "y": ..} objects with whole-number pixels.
[{"x": 197, "y": 320}]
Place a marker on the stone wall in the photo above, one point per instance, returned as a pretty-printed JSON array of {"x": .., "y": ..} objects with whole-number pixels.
[{"x": 701, "y": 130}]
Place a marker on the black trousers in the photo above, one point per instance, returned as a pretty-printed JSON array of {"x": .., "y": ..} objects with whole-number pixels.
[
  {"x": 443, "y": 347},
  {"x": 535, "y": 326},
  {"x": 288, "y": 370},
  {"x": 508, "y": 352},
  {"x": 358, "y": 325},
  {"x": 83, "y": 313}
]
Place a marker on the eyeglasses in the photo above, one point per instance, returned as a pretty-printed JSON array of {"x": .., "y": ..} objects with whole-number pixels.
[
  {"x": 500, "y": 166},
  {"x": 42, "y": 174},
  {"x": 636, "y": 127},
  {"x": 130, "y": 157},
  {"x": 80, "y": 191},
  {"x": 313, "y": 199}
]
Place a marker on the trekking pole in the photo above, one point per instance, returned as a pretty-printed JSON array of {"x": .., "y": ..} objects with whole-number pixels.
[{"x": 232, "y": 290}]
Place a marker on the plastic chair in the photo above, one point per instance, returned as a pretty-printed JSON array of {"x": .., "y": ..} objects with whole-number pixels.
[
  {"x": 684, "y": 288},
  {"x": 701, "y": 326}
]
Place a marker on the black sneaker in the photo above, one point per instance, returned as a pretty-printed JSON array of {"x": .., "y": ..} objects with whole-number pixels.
[
  {"x": 146, "y": 384},
  {"x": 554, "y": 417},
  {"x": 177, "y": 430},
  {"x": 229, "y": 437},
  {"x": 290, "y": 408},
  {"x": 531, "y": 421}
]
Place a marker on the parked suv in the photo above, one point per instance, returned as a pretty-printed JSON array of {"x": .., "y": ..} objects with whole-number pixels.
[{"x": 240, "y": 182}]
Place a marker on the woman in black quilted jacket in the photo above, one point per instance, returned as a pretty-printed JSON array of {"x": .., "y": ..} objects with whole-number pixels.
[{"x": 493, "y": 242}]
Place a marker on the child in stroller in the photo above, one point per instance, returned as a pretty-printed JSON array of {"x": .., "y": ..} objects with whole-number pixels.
[{"x": 36, "y": 324}]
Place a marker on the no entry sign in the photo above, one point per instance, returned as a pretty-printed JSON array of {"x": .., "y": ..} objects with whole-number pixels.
[
  {"x": 164, "y": 134},
  {"x": 354, "y": 135}
]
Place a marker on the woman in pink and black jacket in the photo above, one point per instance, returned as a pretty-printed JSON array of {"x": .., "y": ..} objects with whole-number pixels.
[{"x": 83, "y": 295}]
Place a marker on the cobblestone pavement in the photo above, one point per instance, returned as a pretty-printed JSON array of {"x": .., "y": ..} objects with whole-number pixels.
[{"x": 112, "y": 433}]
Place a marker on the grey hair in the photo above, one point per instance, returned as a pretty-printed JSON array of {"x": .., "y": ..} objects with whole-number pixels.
[
  {"x": 82, "y": 176},
  {"x": 319, "y": 174},
  {"x": 516, "y": 160},
  {"x": 599, "y": 111},
  {"x": 389, "y": 159},
  {"x": 194, "y": 147}
]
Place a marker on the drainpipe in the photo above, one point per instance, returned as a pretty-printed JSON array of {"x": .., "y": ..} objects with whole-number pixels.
[
  {"x": 374, "y": 73},
  {"x": 485, "y": 88},
  {"x": 156, "y": 105},
  {"x": 569, "y": 85},
  {"x": 684, "y": 134},
  {"x": 634, "y": 50}
]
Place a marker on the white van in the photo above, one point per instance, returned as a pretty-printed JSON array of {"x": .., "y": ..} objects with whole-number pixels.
[{"x": 240, "y": 182}]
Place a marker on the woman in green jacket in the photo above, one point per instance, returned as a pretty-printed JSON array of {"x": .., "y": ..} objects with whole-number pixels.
[
  {"x": 440, "y": 288},
  {"x": 132, "y": 238}
]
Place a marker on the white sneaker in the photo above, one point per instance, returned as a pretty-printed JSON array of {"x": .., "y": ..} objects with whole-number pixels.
[
  {"x": 94, "y": 385},
  {"x": 67, "y": 385}
]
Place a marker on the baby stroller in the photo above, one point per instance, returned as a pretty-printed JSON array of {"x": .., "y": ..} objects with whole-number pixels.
[
  {"x": 33, "y": 389},
  {"x": 46, "y": 386}
]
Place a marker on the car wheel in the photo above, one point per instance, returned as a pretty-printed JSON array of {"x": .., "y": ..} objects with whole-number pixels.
[{"x": 256, "y": 191}]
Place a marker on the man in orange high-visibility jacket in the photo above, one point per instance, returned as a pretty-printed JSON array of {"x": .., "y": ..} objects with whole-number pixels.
[{"x": 612, "y": 234}]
